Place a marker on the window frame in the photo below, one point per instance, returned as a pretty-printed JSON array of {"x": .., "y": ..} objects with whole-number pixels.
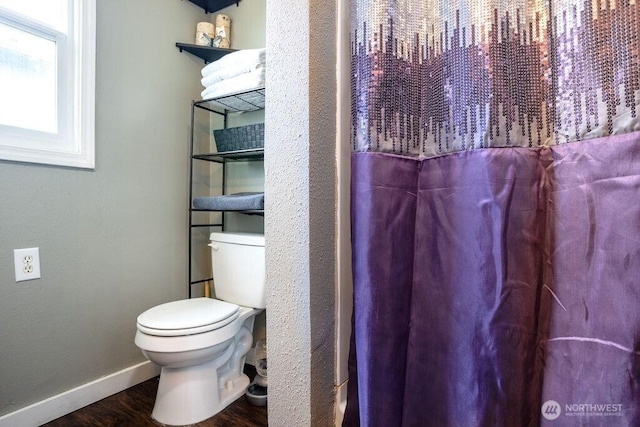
[{"x": 74, "y": 144}]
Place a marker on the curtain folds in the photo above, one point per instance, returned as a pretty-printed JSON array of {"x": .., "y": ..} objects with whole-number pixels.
[{"x": 489, "y": 282}]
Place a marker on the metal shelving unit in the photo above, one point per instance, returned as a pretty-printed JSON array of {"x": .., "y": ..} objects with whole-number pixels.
[{"x": 252, "y": 100}]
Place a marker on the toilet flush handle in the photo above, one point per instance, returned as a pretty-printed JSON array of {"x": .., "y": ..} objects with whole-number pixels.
[{"x": 213, "y": 247}]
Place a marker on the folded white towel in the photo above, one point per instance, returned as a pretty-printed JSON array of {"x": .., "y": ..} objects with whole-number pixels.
[
  {"x": 237, "y": 60},
  {"x": 241, "y": 83},
  {"x": 228, "y": 73}
]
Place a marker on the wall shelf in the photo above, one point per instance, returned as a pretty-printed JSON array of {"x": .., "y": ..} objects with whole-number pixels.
[
  {"x": 251, "y": 212},
  {"x": 211, "y": 6},
  {"x": 251, "y": 100},
  {"x": 206, "y": 53},
  {"x": 240, "y": 155}
]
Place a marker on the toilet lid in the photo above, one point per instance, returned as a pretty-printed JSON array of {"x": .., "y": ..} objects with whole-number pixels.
[{"x": 187, "y": 316}]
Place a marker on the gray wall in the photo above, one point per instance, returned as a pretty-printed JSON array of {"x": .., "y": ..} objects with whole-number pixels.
[{"x": 113, "y": 241}]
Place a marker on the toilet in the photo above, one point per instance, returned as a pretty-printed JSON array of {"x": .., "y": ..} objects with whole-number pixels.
[{"x": 201, "y": 343}]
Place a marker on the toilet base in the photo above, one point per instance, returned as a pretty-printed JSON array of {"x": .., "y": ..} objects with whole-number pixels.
[
  {"x": 195, "y": 384},
  {"x": 190, "y": 395}
]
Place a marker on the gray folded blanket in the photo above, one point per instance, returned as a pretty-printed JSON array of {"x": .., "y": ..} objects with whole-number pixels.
[{"x": 231, "y": 202}]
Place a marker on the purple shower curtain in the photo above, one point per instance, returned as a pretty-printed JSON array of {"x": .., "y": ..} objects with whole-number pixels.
[{"x": 495, "y": 213}]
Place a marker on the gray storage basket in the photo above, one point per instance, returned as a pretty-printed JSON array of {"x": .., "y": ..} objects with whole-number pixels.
[{"x": 239, "y": 138}]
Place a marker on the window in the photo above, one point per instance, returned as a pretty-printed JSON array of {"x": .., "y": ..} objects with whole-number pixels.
[{"x": 47, "y": 81}]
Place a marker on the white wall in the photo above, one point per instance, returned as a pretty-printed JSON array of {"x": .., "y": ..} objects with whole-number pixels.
[{"x": 113, "y": 241}]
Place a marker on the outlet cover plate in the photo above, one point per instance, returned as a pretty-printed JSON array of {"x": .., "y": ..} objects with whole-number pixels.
[{"x": 26, "y": 263}]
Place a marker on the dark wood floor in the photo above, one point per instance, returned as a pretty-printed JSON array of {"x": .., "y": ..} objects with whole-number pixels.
[{"x": 132, "y": 407}]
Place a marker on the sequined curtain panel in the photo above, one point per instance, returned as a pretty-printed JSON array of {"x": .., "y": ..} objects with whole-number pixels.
[{"x": 432, "y": 77}]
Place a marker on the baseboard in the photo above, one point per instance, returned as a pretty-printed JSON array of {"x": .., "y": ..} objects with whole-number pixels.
[{"x": 79, "y": 397}]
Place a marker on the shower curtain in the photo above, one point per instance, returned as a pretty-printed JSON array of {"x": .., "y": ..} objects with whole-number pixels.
[{"x": 495, "y": 213}]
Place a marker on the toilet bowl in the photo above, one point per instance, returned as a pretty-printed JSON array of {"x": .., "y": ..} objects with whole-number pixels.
[{"x": 201, "y": 343}]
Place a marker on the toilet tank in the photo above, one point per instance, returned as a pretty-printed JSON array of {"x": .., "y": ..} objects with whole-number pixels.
[{"x": 237, "y": 260}]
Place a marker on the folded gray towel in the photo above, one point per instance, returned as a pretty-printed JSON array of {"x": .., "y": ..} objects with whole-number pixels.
[{"x": 231, "y": 202}]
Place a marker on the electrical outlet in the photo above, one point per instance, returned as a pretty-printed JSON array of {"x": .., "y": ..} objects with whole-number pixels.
[{"x": 27, "y": 263}]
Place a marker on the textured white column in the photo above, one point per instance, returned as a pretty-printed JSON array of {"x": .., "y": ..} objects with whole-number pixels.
[{"x": 300, "y": 180}]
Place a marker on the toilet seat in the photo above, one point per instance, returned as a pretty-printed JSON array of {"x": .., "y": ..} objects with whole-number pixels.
[{"x": 187, "y": 317}]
